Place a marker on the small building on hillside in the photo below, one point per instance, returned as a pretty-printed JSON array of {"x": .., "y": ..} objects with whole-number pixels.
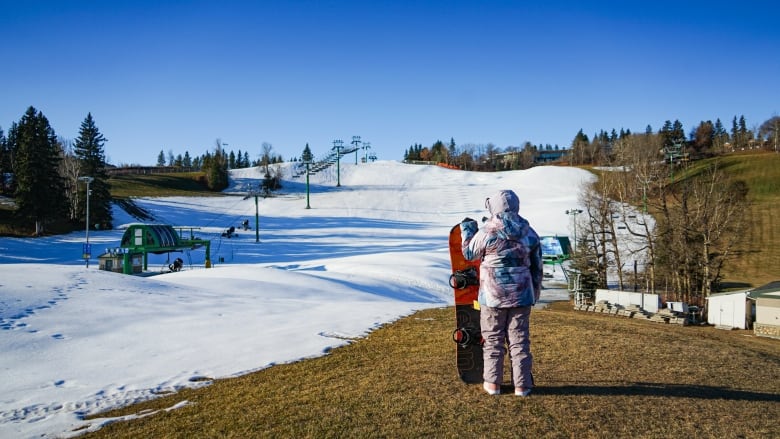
[
  {"x": 118, "y": 260},
  {"x": 767, "y": 298},
  {"x": 732, "y": 310}
]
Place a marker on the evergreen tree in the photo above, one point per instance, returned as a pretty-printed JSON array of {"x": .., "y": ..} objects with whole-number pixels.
[
  {"x": 745, "y": 136},
  {"x": 40, "y": 191},
  {"x": 672, "y": 133},
  {"x": 579, "y": 147},
  {"x": 720, "y": 137},
  {"x": 187, "y": 160},
  {"x": 736, "y": 141},
  {"x": 216, "y": 168},
  {"x": 161, "y": 159},
  {"x": 88, "y": 150}
]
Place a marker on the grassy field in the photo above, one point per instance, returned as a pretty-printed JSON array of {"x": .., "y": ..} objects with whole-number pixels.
[
  {"x": 596, "y": 376},
  {"x": 159, "y": 185},
  {"x": 761, "y": 171}
]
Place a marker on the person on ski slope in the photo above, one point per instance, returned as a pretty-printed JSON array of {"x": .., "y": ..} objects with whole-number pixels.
[{"x": 510, "y": 281}]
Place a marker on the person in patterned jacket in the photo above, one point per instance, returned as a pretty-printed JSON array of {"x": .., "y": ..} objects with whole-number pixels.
[{"x": 510, "y": 281}]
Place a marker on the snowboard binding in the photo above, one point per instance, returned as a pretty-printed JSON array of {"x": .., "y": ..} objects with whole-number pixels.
[
  {"x": 467, "y": 336},
  {"x": 464, "y": 278}
]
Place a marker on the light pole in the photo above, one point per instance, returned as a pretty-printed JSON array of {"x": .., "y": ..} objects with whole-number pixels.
[
  {"x": 337, "y": 145},
  {"x": 87, "y": 251},
  {"x": 574, "y": 213}
]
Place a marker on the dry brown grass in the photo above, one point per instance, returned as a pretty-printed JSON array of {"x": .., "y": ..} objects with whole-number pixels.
[{"x": 596, "y": 376}]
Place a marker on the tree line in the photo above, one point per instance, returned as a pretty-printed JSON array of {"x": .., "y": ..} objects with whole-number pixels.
[
  {"x": 707, "y": 139},
  {"x": 46, "y": 175},
  {"x": 233, "y": 159},
  {"x": 478, "y": 157},
  {"x": 216, "y": 164}
]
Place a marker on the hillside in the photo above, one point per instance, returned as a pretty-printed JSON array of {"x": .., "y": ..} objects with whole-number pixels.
[
  {"x": 79, "y": 341},
  {"x": 761, "y": 172}
]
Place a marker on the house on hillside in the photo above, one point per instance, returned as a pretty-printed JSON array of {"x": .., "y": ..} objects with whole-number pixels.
[
  {"x": 767, "y": 305},
  {"x": 731, "y": 310}
]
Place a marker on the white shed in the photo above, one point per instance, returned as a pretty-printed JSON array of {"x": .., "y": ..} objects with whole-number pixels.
[{"x": 730, "y": 310}]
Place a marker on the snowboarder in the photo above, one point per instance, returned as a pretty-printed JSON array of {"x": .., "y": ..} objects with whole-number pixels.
[
  {"x": 510, "y": 284},
  {"x": 177, "y": 264}
]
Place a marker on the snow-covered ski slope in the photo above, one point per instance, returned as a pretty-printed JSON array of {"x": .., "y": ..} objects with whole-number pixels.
[{"x": 76, "y": 340}]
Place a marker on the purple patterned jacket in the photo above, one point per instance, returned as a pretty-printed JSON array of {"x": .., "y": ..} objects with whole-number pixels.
[{"x": 511, "y": 256}]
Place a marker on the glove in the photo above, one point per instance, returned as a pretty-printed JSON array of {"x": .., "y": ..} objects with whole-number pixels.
[{"x": 469, "y": 225}]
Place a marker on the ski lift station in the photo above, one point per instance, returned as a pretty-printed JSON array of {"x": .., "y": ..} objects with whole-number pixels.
[
  {"x": 141, "y": 239},
  {"x": 555, "y": 249}
]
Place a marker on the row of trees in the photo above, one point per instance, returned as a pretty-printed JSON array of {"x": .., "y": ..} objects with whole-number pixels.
[
  {"x": 707, "y": 139},
  {"x": 233, "y": 160},
  {"x": 478, "y": 157},
  {"x": 704, "y": 140},
  {"x": 215, "y": 164},
  {"x": 682, "y": 232},
  {"x": 41, "y": 172}
]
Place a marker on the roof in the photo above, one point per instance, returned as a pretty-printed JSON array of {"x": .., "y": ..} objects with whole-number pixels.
[
  {"x": 728, "y": 293},
  {"x": 766, "y": 290}
]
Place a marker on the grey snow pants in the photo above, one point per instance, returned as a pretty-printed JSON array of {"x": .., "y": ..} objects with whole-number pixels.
[{"x": 498, "y": 326}]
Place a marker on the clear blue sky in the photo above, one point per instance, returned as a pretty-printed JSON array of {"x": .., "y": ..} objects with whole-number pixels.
[{"x": 177, "y": 75}]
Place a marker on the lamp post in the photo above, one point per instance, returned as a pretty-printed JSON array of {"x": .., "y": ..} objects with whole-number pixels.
[
  {"x": 87, "y": 251},
  {"x": 337, "y": 145},
  {"x": 574, "y": 213}
]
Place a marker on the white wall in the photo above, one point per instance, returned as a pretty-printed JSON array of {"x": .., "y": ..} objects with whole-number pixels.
[
  {"x": 768, "y": 310},
  {"x": 648, "y": 302},
  {"x": 730, "y": 310}
]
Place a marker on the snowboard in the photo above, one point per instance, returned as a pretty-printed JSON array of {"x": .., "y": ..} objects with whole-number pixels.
[{"x": 467, "y": 335}]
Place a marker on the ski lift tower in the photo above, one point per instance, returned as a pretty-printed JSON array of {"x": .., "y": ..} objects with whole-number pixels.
[
  {"x": 307, "y": 158},
  {"x": 366, "y": 147},
  {"x": 337, "y": 146},
  {"x": 256, "y": 193},
  {"x": 356, "y": 142}
]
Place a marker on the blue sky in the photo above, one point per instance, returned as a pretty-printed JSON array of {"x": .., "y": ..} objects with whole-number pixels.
[{"x": 177, "y": 75}]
